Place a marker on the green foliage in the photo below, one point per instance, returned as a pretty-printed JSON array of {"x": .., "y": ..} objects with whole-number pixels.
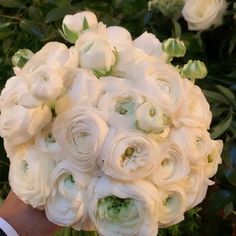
[{"x": 32, "y": 23}]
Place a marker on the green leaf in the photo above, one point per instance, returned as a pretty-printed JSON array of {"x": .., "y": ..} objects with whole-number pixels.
[
  {"x": 232, "y": 44},
  {"x": 218, "y": 111},
  {"x": 215, "y": 97},
  {"x": 58, "y": 13},
  {"x": 220, "y": 128},
  {"x": 5, "y": 26},
  {"x": 177, "y": 31},
  {"x": 85, "y": 24},
  {"x": 35, "y": 14},
  {"x": 12, "y": 4},
  {"x": 218, "y": 200},
  {"x": 5, "y": 34},
  {"x": 32, "y": 28},
  {"x": 227, "y": 93}
]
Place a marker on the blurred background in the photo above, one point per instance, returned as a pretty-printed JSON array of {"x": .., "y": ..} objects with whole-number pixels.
[{"x": 32, "y": 23}]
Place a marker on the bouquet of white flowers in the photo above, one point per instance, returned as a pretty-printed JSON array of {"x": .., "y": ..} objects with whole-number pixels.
[{"x": 107, "y": 135}]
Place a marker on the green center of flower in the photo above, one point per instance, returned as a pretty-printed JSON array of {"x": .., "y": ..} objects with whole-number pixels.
[
  {"x": 116, "y": 209},
  {"x": 125, "y": 107},
  {"x": 152, "y": 112}
]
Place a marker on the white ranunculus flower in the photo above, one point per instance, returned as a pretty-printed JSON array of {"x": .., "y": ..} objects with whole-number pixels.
[
  {"x": 150, "y": 44},
  {"x": 164, "y": 84},
  {"x": 214, "y": 158},
  {"x": 46, "y": 143},
  {"x": 10, "y": 96},
  {"x": 195, "y": 142},
  {"x": 83, "y": 89},
  {"x": 119, "y": 37},
  {"x": 29, "y": 176},
  {"x": 66, "y": 205},
  {"x": 53, "y": 54},
  {"x": 119, "y": 106},
  {"x": 96, "y": 54},
  {"x": 80, "y": 21},
  {"x": 128, "y": 155},
  {"x": 172, "y": 205},
  {"x": 19, "y": 124},
  {"x": 123, "y": 208},
  {"x": 195, "y": 186},
  {"x": 45, "y": 83},
  {"x": 172, "y": 165},
  {"x": 195, "y": 111},
  {"x": 202, "y": 14},
  {"x": 81, "y": 132},
  {"x": 150, "y": 118}
]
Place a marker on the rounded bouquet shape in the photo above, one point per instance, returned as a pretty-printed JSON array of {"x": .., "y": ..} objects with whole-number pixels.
[{"x": 107, "y": 135}]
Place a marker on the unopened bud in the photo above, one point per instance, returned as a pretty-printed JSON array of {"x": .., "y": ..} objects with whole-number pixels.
[
  {"x": 20, "y": 58},
  {"x": 174, "y": 47},
  {"x": 194, "y": 70}
]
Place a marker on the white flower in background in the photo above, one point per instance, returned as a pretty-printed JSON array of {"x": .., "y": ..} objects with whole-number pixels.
[
  {"x": 83, "y": 89},
  {"x": 172, "y": 165},
  {"x": 29, "y": 176},
  {"x": 203, "y": 14},
  {"x": 214, "y": 158},
  {"x": 195, "y": 186},
  {"x": 123, "y": 208},
  {"x": 196, "y": 143},
  {"x": 19, "y": 125},
  {"x": 81, "y": 132},
  {"x": 172, "y": 205},
  {"x": 66, "y": 204},
  {"x": 195, "y": 110},
  {"x": 150, "y": 118},
  {"x": 119, "y": 106},
  {"x": 128, "y": 155},
  {"x": 119, "y": 37},
  {"x": 151, "y": 45},
  {"x": 74, "y": 25}
]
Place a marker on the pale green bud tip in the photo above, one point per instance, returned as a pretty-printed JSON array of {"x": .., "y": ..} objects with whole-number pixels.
[
  {"x": 20, "y": 58},
  {"x": 194, "y": 70},
  {"x": 69, "y": 35},
  {"x": 174, "y": 47}
]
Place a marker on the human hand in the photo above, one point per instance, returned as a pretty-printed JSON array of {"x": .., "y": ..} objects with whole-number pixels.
[{"x": 26, "y": 220}]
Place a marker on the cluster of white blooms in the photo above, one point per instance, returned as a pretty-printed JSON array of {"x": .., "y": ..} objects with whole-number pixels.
[
  {"x": 199, "y": 14},
  {"x": 105, "y": 134}
]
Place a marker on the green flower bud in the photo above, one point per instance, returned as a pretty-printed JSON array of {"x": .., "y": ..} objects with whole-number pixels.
[
  {"x": 169, "y": 8},
  {"x": 20, "y": 58},
  {"x": 174, "y": 47},
  {"x": 194, "y": 70}
]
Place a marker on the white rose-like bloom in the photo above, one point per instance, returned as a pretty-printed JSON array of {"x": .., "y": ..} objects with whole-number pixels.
[
  {"x": 214, "y": 158},
  {"x": 29, "y": 176},
  {"x": 119, "y": 106},
  {"x": 195, "y": 186},
  {"x": 123, "y": 208},
  {"x": 172, "y": 205},
  {"x": 150, "y": 118},
  {"x": 195, "y": 142},
  {"x": 81, "y": 132},
  {"x": 19, "y": 124},
  {"x": 45, "y": 83},
  {"x": 202, "y": 14},
  {"x": 172, "y": 165},
  {"x": 95, "y": 53},
  {"x": 65, "y": 205},
  {"x": 53, "y": 54},
  {"x": 119, "y": 37},
  {"x": 195, "y": 111},
  {"x": 128, "y": 155},
  {"x": 75, "y": 23},
  {"x": 83, "y": 89},
  {"x": 150, "y": 44}
]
